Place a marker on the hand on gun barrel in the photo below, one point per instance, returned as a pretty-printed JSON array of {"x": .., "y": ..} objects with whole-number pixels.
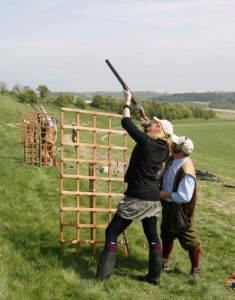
[{"x": 125, "y": 87}]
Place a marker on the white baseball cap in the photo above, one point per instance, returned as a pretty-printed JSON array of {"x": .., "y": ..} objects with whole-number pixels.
[
  {"x": 166, "y": 126},
  {"x": 183, "y": 141}
]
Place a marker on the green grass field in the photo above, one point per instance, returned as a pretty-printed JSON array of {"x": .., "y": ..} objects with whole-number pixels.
[{"x": 32, "y": 266}]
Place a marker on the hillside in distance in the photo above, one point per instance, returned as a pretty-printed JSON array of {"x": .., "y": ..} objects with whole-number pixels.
[{"x": 222, "y": 100}]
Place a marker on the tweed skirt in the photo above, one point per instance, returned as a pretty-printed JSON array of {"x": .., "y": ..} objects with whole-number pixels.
[{"x": 133, "y": 208}]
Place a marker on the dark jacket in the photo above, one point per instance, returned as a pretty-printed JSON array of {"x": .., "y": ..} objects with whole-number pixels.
[{"x": 145, "y": 161}]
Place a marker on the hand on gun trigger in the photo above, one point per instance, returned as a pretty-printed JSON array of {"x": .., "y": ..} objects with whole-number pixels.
[{"x": 145, "y": 122}]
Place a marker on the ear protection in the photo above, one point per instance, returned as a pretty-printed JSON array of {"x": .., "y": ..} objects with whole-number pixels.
[{"x": 178, "y": 148}]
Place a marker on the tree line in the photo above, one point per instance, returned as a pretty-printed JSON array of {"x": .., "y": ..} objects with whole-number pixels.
[
  {"x": 152, "y": 108},
  {"x": 225, "y": 100},
  {"x": 162, "y": 110},
  {"x": 42, "y": 94}
]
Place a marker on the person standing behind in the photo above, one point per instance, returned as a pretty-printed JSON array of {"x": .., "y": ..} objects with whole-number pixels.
[
  {"x": 74, "y": 133},
  {"x": 142, "y": 196},
  {"x": 49, "y": 143},
  {"x": 178, "y": 194}
]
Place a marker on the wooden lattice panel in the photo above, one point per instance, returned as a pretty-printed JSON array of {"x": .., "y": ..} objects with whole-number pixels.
[
  {"x": 32, "y": 134},
  {"x": 93, "y": 163},
  {"x": 29, "y": 132}
]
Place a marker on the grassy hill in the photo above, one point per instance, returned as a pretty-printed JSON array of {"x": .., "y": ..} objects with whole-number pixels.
[{"x": 32, "y": 266}]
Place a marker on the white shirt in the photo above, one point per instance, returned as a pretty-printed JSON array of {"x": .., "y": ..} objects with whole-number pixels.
[{"x": 186, "y": 187}]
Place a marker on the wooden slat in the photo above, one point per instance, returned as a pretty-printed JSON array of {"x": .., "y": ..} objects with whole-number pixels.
[
  {"x": 93, "y": 161},
  {"x": 94, "y": 129},
  {"x": 84, "y": 225},
  {"x": 91, "y": 193},
  {"x": 94, "y": 146},
  {"x": 85, "y": 241},
  {"x": 98, "y": 209},
  {"x": 81, "y": 241},
  {"x": 98, "y": 113},
  {"x": 92, "y": 177}
]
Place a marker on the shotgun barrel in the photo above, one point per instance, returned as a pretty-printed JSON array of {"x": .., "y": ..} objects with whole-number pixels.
[
  {"x": 30, "y": 103},
  {"x": 45, "y": 113},
  {"x": 125, "y": 87}
]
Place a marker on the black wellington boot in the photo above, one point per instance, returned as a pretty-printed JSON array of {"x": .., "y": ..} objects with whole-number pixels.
[
  {"x": 155, "y": 268},
  {"x": 106, "y": 264}
]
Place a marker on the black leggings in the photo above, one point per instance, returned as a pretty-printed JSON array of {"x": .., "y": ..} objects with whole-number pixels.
[{"x": 118, "y": 225}]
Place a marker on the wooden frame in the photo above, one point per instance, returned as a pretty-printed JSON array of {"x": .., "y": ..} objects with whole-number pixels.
[
  {"x": 33, "y": 139},
  {"x": 29, "y": 134},
  {"x": 91, "y": 170}
]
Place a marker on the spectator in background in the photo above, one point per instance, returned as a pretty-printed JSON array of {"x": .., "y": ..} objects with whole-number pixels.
[
  {"x": 49, "y": 157},
  {"x": 74, "y": 133}
]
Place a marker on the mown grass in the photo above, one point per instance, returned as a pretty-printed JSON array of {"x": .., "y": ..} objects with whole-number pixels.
[{"x": 32, "y": 266}]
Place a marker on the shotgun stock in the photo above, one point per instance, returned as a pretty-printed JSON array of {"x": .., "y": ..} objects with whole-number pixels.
[{"x": 125, "y": 87}]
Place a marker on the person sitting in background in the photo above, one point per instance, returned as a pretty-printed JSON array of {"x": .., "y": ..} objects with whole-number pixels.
[{"x": 179, "y": 194}]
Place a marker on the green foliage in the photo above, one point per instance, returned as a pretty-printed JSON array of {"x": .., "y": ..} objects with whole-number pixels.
[
  {"x": 167, "y": 111},
  {"x": 201, "y": 97},
  {"x": 225, "y": 100},
  {"x": 64, "y": 99},
  {"x": 32, "y": 266},
  {"x": 3, "y": 87},
  {"x": 26, "y": 87},
  {"x": 43, "y": 91},
  {"x": 107, "y": 104},
  {"x": 80, "y": 103},
  {"x": 28, "y": 96},
  {"x": 17, "y": 88},
  {"x": 227, "y": 103}
]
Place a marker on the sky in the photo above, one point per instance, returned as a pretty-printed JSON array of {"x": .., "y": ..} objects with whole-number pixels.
[{"x": 160, "y": 45}]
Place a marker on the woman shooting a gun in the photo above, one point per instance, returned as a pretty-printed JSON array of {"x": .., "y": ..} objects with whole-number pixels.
[{"x": 142, "y": 196}]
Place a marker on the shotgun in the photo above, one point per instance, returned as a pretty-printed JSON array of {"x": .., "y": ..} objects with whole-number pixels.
[
  {"x": 25, "y": 121},
  {"x": 34, "y": 107},
  {"x": 125, "y": 87},
  {"x": 45, "y": 113},
  {"x": 38, "y": 114}
]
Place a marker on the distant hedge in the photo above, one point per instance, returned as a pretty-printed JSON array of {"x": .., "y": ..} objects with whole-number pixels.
[{"x": 167, "y": 111}]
